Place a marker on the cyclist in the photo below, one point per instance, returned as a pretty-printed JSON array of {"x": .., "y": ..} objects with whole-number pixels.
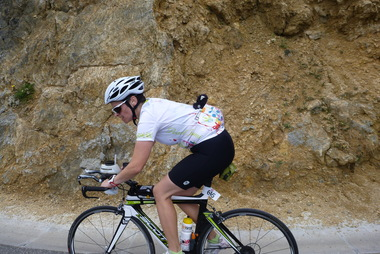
[{"x": 168, "y": 122}]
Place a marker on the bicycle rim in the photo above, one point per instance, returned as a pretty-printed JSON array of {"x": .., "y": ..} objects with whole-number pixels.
[
  {"x": 94, "y": 229},
  {"x": 258, "y": 231}
]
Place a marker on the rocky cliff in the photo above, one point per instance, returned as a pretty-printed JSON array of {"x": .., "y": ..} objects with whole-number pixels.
[{"x": 298, "y": 82}]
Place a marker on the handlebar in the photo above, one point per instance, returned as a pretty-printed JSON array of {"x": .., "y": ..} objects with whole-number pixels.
[
  {"x": 99, "y": 177},
  {"x": 92, "y": 188}
]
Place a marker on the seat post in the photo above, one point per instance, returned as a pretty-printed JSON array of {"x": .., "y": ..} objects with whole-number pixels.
[{"x": 201, "y": 222}]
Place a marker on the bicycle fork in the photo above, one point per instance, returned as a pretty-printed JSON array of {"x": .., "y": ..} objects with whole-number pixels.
[
  {"x": 223, "y": 230},
  {"x": 127, "y": 214},
  {"x": 120, "y": 229}
]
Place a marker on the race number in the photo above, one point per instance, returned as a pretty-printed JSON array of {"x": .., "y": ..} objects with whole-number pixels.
[{"x": 211, "y": 193}]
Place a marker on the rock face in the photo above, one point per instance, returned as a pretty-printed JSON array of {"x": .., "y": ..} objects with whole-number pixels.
[{"x": 298, "y": 82}]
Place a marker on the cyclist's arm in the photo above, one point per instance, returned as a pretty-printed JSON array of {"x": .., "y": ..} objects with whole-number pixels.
[{"x": 140, "y": 156}]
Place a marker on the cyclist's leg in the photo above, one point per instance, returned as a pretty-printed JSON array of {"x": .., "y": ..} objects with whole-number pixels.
[
  {"x": 195, "y": 170},
  {"x": 163, "y": 191},
  {"x": 190, "y": 210},
  {"x": 208, "y": 159}
]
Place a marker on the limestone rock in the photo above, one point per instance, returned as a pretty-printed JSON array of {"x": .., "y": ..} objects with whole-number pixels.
[{"x": 291, "y": 103}]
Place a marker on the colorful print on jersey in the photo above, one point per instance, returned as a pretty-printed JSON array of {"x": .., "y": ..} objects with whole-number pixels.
[
  {"x": 187, "y": 144},
  {"x": 211, "y": 117}
]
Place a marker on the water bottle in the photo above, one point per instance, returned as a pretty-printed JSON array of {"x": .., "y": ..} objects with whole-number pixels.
[{"x": 186, "y": 232}]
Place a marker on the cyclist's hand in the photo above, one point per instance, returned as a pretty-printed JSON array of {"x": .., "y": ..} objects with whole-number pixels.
[{"x": 106, "y": 184}]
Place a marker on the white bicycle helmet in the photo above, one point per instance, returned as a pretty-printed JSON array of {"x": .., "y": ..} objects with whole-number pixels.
[{"x": 120, "y": 88}]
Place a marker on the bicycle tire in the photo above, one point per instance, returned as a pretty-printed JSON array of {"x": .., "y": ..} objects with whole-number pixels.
[
  {"x": 93, "y": 230},
  {"x": 258, "y": 231}
]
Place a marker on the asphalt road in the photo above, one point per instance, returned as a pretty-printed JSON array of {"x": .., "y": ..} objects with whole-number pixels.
[
  {"x": 38, "y": 237},
  {"x": 6, "y": 249}
]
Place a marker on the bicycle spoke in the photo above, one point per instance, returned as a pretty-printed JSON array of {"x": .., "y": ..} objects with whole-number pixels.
[
  {"x": 248, "y": 231},
  {"x": 95, "y": 229},
  {"x": 259, "y": 232}
]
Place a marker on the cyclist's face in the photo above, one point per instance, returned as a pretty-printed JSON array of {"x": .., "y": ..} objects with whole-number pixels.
[{"x": 122, "y": 111}]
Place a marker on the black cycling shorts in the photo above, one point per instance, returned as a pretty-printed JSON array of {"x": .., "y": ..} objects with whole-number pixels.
[{"x": 207, "y": 160}]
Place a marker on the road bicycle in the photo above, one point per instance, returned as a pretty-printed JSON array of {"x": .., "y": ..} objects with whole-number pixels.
[{"x": 128, "y": 229}]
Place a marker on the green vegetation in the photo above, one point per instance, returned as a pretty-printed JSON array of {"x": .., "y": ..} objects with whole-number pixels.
[
  {"x": 287, "y": 125},
  {"x": 284, "y": 44},
  {"x": 25, "y": 92},
  {"x": 278, "y": 163}
]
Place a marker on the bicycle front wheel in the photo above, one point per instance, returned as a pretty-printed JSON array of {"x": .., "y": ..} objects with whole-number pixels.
[
  {"x": 94, "y": 229},
  {"x": 251, "y": 232}
]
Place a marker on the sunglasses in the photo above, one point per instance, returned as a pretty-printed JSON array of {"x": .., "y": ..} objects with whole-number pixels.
[{"x": 117, "y": 108}]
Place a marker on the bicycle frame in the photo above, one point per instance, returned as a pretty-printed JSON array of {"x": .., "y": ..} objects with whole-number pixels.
[
  {"x": 137, "y": 195},
  {"x": 132, "y": 208}
]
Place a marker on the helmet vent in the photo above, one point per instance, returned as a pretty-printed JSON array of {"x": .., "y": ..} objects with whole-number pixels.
[
  {"x": 129, "y": 80},
  {"x": 118, "y": 83},
  {"x": 114, "y": 95},
  {"x": 123, "y": 89},
  {"x": 135, "y": 85}
]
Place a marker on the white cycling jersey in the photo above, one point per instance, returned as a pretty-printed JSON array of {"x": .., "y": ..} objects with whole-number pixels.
[{"x": 170, "y": 123}]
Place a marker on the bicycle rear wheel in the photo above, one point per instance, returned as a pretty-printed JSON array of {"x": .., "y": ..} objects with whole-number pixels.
[
  {"x": 94, "y": 229},
  {"x": 257, "y": 231}
]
